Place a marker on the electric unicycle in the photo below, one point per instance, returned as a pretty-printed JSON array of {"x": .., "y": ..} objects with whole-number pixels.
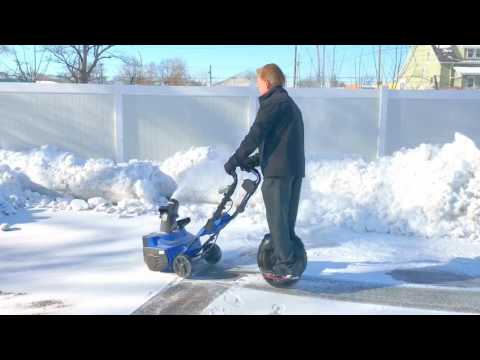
[{"x": 266, "y": 260}]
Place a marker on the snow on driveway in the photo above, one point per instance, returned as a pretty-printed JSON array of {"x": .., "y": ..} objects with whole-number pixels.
[
  {"x": 75, "y": 263},
  {"x": 360, "y": 222}
]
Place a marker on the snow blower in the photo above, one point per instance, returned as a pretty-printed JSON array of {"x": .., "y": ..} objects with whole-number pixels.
[{"x": 174, "y": 248}]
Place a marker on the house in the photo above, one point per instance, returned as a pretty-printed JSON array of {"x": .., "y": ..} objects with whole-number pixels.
[
  {"x": 4, "y": 77},
  {"x": 45, "y": 79},
  {"x": 242, "y": 79},
  {"x": 442, "y": 67}
]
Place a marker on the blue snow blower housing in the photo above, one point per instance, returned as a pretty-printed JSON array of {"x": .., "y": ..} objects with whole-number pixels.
[{"x": 174, "y": 248}]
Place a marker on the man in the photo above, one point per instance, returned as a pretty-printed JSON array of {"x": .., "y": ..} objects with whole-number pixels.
[{"x": 278, "y": 133}]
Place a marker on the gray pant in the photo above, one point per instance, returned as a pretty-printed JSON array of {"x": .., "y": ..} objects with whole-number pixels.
[{"x": 281, "y": 196}]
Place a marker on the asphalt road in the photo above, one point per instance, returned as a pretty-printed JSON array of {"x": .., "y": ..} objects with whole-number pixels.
[{"x": 421, "y": 289}]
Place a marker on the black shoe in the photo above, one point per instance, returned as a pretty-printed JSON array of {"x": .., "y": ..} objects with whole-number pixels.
[
  {"x": 285, "y": 270},
  {"x": 280, "y": 278}
]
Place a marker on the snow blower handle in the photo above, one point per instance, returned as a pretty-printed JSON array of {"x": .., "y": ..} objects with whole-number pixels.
[
  {"x": 226, "y": 198},
  {"x": 250, "y": 186}
]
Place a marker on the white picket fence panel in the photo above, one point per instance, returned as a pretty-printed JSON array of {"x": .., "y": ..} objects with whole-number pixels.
[{"x": 153, "y": 122}]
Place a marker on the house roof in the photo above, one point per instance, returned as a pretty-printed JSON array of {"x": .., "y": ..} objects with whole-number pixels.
[
  {"x": 445, "y": 53},
  {"x": 237, "y": 80}
]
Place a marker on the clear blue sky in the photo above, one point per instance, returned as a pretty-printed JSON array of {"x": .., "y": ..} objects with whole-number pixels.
[{"x": 228, "y": 60}]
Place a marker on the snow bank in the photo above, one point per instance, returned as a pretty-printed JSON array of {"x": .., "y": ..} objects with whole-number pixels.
[
  {"x": 11, "y": 190},
  {"x": 428, "y": 191},
  {"x": 73, "y": 177},
  {"x": 67, "y": 182},
  {"x": 17, "y": 191}
]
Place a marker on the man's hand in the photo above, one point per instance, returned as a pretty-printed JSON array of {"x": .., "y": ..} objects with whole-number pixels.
[
  {"x": 251, "y": 163},
  {"x": 231, "y": 165}
]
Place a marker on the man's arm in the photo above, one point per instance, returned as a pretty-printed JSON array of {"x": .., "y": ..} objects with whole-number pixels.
[{"x": 264, "y": 121}]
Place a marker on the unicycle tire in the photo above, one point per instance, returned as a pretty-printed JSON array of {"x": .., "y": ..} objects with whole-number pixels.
[{"x": 266, "y": 260}]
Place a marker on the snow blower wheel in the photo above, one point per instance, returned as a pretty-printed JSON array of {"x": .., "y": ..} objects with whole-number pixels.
[
  {"x": 213, "y": 254},
  {"x": 182, "y": 266}
]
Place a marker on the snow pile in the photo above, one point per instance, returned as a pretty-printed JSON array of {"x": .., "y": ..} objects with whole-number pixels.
[
  {"x": 67, "y": 182},
  {"x": 11, "y": 191},
  {"x": 429, "y": 191},
  {"x": 199, "y": 174},
  {"x": 17, "y": 191},
  {"x": 137, "y": 183}
]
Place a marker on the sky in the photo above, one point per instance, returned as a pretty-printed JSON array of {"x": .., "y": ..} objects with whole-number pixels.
[{"x": 228, "y": 60}]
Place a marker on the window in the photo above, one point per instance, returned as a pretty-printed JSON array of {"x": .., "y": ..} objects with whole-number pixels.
[
  {"x": 471, "y": 81},
  {"x": 471, "y": 53}
]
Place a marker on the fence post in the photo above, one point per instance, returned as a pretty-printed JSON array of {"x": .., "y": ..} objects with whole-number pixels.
[
  {"x": 118, "y": 123},
  {"x": 252, "y": 109},
  {"x": 382, "y": 121}
]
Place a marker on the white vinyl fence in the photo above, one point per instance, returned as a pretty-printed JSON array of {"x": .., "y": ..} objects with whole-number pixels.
[{"x": 149, "y": 122}]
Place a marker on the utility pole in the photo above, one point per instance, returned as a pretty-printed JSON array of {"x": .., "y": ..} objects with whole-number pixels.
[
  {"x": 333, "y": 78},
  {"x": 210, "y": 75},
  {"x": 323, "y": 67},
  {"x": 101, "y": 73},
  {"x": 318, "y": 64},
  {"x": 295, "y": 68},
  {"x": 298, "y": 71},
  {"x": 379, "y": 76}
]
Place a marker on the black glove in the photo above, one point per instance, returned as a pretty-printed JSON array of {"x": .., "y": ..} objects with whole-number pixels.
[
  {"x": 251, "y": 162},
  {"x": 231, "y": 165}
]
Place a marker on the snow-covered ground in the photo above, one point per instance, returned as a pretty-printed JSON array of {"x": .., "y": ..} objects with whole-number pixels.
[
  {"x": 75, "y": 243},
  {"x": 84, "y": 262}
]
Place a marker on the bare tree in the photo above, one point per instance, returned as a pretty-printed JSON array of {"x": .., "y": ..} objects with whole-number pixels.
[
  {"x": 151, "y": 74},
  {"x": 80, "y": 61},
  {"x": 98, "y": 74},
  {"x": 134, "y": 71},
  {"x": 173, "y": 72},
  {"x": 310, "y": 81},
  {"x": 31, "y": 64},
  {"x": 397, "y": 63}
]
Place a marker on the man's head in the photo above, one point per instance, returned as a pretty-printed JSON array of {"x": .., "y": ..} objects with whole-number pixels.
[{"x": 269, "y": 76}]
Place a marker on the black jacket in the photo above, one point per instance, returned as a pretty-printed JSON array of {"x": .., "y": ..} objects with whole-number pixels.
[{"x": 278, "y": 133}]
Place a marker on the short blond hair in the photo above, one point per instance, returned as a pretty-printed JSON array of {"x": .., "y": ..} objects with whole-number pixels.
[{"x": 272, "y": 73}]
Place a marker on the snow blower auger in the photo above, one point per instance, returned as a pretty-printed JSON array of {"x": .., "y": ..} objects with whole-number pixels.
[{"x": 174, "y": 248}]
